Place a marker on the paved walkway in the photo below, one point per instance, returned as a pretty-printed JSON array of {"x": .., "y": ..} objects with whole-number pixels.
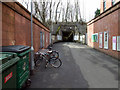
[{"x": 82, "y": 67}]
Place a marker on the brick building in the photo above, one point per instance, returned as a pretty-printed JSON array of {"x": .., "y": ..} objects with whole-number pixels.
[
  {"x": 16, "y": 27},
  {"x": 104, "y": 30}
]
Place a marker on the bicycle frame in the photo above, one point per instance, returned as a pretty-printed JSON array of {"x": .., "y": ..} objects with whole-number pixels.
[{"x": 47, "y": 55}]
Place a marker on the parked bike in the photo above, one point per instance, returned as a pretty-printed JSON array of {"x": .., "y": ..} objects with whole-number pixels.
[{"x": 50, "y": 56}]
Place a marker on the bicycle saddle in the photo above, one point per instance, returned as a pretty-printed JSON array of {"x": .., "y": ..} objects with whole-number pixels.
[{"x": 50, "y": 48}]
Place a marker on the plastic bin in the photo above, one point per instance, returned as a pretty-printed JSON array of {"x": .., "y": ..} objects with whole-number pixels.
[
  {"x": 23, "y": 64},
  {"x": 8, "y": 69}
]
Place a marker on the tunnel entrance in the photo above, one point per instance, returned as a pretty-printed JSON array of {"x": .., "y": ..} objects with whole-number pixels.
[{"x": 67, "y": 36}]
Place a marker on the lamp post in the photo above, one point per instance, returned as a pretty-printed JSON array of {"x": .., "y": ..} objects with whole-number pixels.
[{"x": 32, "y": 49}]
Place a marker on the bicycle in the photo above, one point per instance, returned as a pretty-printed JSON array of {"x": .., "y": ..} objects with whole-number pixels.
[{"x": 50, "y": 56}]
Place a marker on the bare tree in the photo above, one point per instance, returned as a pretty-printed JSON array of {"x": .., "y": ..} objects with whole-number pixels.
[
  {"x": 60, "y": 12},
  {"x": 63, "y": 14},
  {"x": 72, "y": 14},
  {"x": 50, "y": 11},
  {"x": 66, "y": 13},
  {"x": 36, "y": 9},
  {"x": 41, "y": 10},
  {"x": 47, "y": 12},
  {"x": 76, "y": 11},
  {"x": 79, "y": 12},
  {"x": 26, "y": 3},
  {"x": 56, "y": 11}
]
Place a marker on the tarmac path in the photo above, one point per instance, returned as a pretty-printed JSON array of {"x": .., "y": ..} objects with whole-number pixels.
[{"x": 83, "y": 67}]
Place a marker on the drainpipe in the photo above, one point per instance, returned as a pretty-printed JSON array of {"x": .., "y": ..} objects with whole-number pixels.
[
  {"x": 32, "y": 49},
  {"x": 51, "y": 34}
]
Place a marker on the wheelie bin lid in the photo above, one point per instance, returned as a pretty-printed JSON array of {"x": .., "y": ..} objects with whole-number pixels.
[
  {"x": 7, "y": 55},
  {"x": 15, "y": 48},
  {"x": 7, "y": 59}
]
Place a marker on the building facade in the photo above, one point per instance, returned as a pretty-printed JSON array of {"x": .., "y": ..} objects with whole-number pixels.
[
  {"x": 16, "y": 27},
  {"x": 104, "y": 30}
]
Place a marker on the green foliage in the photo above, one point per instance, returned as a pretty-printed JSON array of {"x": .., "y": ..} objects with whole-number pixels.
[
  {"x": 97, "y": 12},
  {"x": 58, "y": 30}
]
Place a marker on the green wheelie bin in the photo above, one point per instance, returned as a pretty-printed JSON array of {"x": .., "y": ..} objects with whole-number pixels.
[
  {"x": 23, "y": 71},
  {"x": 8, "y": 62}
]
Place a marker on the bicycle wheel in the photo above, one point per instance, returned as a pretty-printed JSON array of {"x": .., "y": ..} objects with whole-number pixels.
[
  {"x": 56, "y": 63},
  {"x": 54, "y": 55},
  {"x": 38, "y": 60},
  {"x": 37, "y": 63}
]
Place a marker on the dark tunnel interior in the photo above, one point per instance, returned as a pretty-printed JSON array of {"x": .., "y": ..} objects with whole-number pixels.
[{"x": 67, "y": 36}]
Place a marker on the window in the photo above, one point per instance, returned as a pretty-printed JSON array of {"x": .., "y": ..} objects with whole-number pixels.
[
  {"x": 104, "y": 5},
  {"x": 113, "y": 2},
  {"x": 41, "y": 40}
]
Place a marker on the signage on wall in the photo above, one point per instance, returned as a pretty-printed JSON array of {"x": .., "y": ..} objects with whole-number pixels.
[
  {"x": 106, "y": 40},
  {"x": 76, "y": 37},
  {"x": 118, "y": 43},
  {"x": 95, "y": 37},
  {"x": 100, "y": 40},
  {"x": 8, "y": 77},
  {"x": 59, "y": 37},
  {"x": 114, "y": 42}
]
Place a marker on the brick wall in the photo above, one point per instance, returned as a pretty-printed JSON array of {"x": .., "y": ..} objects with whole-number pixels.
[
  {"x": 16, "y": 26},
  {"x": 110, "y": 22},
  {"x": 108, "y": 4}
]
